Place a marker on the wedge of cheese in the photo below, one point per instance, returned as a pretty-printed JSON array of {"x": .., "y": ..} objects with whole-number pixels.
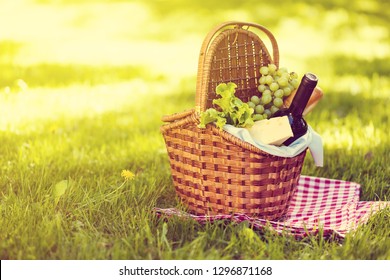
[{"x": 273, "y": 131}]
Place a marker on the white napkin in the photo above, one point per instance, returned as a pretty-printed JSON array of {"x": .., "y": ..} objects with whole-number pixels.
[{"x": 311, "y": 140}]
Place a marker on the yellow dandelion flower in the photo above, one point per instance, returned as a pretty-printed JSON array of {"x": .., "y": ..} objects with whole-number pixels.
[{"x": 127, "y": 174}]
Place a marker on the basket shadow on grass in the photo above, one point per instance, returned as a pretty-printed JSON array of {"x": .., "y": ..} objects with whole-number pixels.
[{"x": 242, "y": 241}]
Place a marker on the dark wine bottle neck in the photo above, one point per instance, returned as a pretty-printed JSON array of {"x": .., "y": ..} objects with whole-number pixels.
[{"x": 303, "y": 94}]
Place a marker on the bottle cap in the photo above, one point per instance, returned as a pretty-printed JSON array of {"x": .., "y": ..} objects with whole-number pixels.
[
  {"x": 303, "y": 94},
  {"x": 309, "y": 80}
]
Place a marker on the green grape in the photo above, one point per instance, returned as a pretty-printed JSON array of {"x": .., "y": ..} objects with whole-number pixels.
[
  {"x": 268, "y": 113},
  {"x": 274, "y": 86},
  {"x": 265, "y": 116},
  {"x": 266, "y": 98},
  {"x": 280, "y": 71},
  {"x": 283, "y": 82},
  {"x": 269, "y": 79},
  {"x": 278, "y": 102},
  {"x": 272, "y": 68},
  {"x": 274, "y": 109},
  {"x": 259, "y": 109},
  {"x": 251, "y": 104},
  {"x": 287, "y": 91},
  {"x": 262, "y": 80},
  {"x": 279, "y": 93},
  {"x": 262, "y": 88},
  {"x": 267, "y": 92},
  {"x": 286, "y": 76},
  {"x": 255, "y": 99},
  {"x": 258, "y": 117},
  {"x": 293, "y": 75},
  {"x": 294, "y": 83},
  {"x": 264, "y": 70},
  {"x": 291, "y": 88}
]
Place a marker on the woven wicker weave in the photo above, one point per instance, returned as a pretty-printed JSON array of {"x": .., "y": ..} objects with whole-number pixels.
[{"x": 213, "y": 171}]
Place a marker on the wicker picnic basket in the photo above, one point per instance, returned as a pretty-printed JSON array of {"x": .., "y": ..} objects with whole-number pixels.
[{"x": 213, "y": 171}]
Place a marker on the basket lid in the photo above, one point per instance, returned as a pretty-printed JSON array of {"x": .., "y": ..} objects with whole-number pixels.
[{"x": 232, "y": 53}]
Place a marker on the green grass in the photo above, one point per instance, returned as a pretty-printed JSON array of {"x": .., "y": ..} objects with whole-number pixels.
[{"x": 75, "y": 125}]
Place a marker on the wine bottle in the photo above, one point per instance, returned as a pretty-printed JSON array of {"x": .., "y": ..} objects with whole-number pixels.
[{"x": 295, "y": 110}]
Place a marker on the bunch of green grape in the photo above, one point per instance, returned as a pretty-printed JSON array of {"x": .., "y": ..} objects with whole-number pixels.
[{"x": 274, "y": 86}]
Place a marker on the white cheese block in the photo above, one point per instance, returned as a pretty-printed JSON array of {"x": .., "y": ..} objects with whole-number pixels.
[{"x": 273, "y": 131}]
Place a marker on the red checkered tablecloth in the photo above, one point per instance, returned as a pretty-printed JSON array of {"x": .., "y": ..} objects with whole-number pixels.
[{"x": 329, "y": 205}]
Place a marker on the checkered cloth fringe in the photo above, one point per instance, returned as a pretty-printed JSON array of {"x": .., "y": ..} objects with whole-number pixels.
[{"x": 318, "y": 204}]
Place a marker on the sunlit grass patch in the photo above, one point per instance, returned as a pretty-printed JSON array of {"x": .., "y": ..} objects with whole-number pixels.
[
  {"x": 86, "y": 34},
  {"x": 24, "y": 111},
  {"x": 60, "y": 75}
]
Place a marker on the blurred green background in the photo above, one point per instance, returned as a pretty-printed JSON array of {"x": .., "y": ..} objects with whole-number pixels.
[
  {"x": 83, "y": 85},
  {"x": 54, "y": 43},
  {"x": 80, "y": 58}
]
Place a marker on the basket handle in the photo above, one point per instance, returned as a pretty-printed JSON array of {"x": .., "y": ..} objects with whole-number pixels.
[{"x": 206, "y": 44}]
